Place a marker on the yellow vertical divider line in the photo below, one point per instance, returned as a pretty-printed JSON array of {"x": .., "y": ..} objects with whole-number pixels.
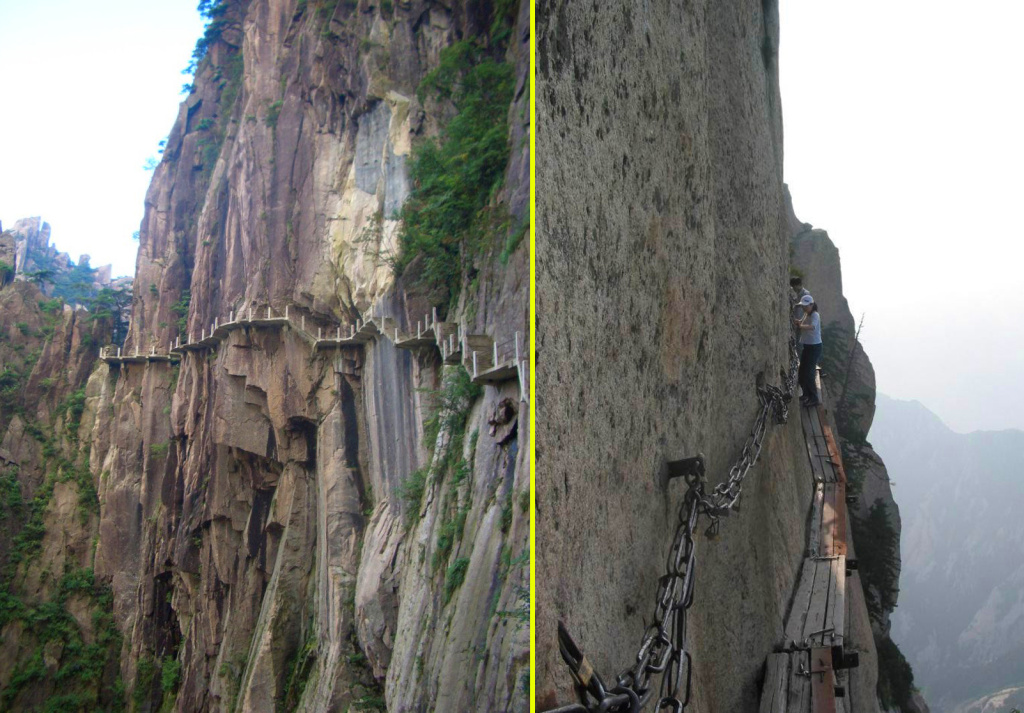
[{"x": 533, "y": 355}]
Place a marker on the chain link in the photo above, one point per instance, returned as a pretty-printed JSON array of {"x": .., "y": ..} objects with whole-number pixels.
[{"x": 663, "y": 647}]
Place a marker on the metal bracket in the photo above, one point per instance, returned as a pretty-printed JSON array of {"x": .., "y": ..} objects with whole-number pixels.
[
  {"x": 843, "y": 659},
  {"x": 686, "y": 467}
]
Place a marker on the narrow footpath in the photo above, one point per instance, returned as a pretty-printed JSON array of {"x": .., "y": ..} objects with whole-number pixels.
[{"x": 810, "y": 673}]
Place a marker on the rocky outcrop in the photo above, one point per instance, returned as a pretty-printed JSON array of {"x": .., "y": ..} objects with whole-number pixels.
[
  {"x": 33, "y": 253},
  {"x": 290, "y": 529},
  {"x": 8, "y": 260},
  {"x": 849, "y": 372},
  {"x": 875, "y": 514},
  {"x": 852, "y": 378}
]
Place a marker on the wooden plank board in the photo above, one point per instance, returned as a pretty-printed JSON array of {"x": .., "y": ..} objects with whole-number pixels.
[
  {"x": 776, "y": 684},
  {"x": 837, "y": 601},
  {"x": 814, "y": 536},
  {"x": 839, "y": 532},
  {"x": 801, "y": 603},
  {"x": 833, "y": 525},
  {"x": 821, "y": 457},
  {"x": 823, "y": 690},
  {"x": 828, "y": 521},
  {"x": 798, "y": 699},
  {"x": 828, "y": 473},
  {"x": 808, "y": 426},
  {"x": 817, "y": 611},
  {"x": 805, "y": 423},
  {"x": 834, "y": 454},
  {"x": 820, "y": 441},
  {"x": 812, "y": 454},
  {"x": 815, "y": 419},
  {"x": 819, "y": 471}
]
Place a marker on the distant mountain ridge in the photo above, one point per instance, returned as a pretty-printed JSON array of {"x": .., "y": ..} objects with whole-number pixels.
[{"x": 961, "y": 614}]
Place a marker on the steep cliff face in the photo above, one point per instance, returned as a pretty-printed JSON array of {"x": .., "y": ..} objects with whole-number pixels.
[
  {"x": 661, "y": 127},
  {"x": 59, "y": 644},
  {"x": 283, "y": 527}
]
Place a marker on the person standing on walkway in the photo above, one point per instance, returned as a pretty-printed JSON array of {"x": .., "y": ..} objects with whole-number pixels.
[
  {"x": 797, "y": 285},
  {"x": 810, "y": 339}
]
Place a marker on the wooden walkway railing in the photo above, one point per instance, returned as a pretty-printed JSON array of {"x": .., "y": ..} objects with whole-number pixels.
[
  {"x": 805, "y": 676},
  {"x": 486, "y": 360}
]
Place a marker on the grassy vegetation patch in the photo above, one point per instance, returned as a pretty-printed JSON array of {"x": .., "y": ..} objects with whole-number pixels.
[
  {"x": 452, "y": 403},
  {"x": 80, "y": 672},
  {"x": 454, "y": 577},
  {"x": 73, "y": 408},
  {"x": 878, "y": 551},
  {"x": 895, "y": 677},
  {"x": 180, "y": 310},
  {"x": 520, "y": 612},
  {"x": 411, "y": 491},
  {"x": 299, "y": 669},
  {"x": 145, "y": 674},
  {"x": 447, "y": 536},
  {"x": 273, "y": 112},
  {"x": 455, "y": 177}
]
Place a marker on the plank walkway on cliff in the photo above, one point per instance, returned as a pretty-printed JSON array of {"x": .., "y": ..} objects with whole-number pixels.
[
  {"x": 807, "y": 674},
  {"x": 487, "y": 360}
]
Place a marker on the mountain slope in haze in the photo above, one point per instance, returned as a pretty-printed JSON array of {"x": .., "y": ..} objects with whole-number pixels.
[{"x": 961, "y": 614}]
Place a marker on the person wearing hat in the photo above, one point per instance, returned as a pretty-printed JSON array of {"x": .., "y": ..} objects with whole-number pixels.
[{"x": 810, "y": 338}]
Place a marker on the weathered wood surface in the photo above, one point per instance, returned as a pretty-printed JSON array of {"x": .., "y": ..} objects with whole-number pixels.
[
  {"x": 817, "y": 510},
  {"x": 795, "y": 623},
  {"x": 823, "y": 689},
  {"x": 833, "y": 520},
  {"x": 799, "y": 698},
  {"x": 833, "y": 449},
  {"x": 818, "y": 614}
]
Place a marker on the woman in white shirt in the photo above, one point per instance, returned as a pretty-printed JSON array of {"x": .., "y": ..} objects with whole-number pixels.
[{"x": 810, "y": 339}]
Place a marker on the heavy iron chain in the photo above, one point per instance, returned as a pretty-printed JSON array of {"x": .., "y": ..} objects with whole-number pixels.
[{"x": 663, "y": 647}]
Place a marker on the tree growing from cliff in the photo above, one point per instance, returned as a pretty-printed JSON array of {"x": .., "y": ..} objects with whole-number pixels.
[
  {"x": 212, "y": 11},
  {"x": 114, "y": 304},
  {"x": 456, "y": 177}
]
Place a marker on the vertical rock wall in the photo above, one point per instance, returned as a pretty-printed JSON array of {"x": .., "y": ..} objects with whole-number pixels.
[
  {"x": 254, "y": 523},
  {"x": 660, "y": 124}
]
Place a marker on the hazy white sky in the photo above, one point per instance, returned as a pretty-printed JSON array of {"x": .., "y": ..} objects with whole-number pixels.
[
  {"x": 904, "y": 139},
  {"x": 87, "y": 91}
]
